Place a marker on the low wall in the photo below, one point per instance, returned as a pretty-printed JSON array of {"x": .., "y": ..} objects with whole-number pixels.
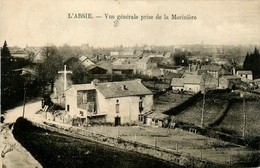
[{"x": 168, "y": 155}]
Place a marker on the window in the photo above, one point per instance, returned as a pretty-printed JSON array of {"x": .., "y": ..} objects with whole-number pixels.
[
  {"x": 140, "y": 117},
  {"x": 117, "y": 108},
  {"x": 68, "y": 107},
  {"x": 84, "y": 97},
  {"x": 140, "y": 106},
  {"x": 81, "y": 113},
  {"x": 117, "y": 101}
]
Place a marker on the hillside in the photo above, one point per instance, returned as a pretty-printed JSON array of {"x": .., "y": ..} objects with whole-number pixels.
[
  {"x": 233, "y": 122},
  {"x": 215, "y": 103}
]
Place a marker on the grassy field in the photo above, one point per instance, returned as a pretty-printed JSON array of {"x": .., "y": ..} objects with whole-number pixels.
[
  {"x": 169, "y": 100},
  {"x": 214, "y": 104},
  {"x": 185, "y": 142},
  {"x": 234, "y": 120}
]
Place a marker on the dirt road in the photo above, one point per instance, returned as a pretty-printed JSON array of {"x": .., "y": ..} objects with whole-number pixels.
[{"x": 13, "y": 155}]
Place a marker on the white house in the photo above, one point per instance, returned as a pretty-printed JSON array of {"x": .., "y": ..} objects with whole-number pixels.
[
  {"x": 190, "y": 83},
  {"x": 112, "y": 102},
  {"x": 86, "y": 61},
  {"x": 245, "y": 75}
]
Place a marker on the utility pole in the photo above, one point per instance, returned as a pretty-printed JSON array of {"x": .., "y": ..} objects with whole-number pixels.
[
  {"x": 244, "y": 118},
  {"x": 24, "y": 100},
  {"x": 203, "y": 103},
  {"x": 65, "y": 72},
  {"x": 202, "y": 111}
]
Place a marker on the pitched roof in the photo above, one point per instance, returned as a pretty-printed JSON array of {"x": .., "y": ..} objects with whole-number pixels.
[
  {"x": 90, "y": 67},
  {"x": 231, "y": 77},
  {"x": 124, "y": 67},
  {"x": 212, "y": 67},
  {"x": 81, "y": 87},
  {"x": 177, "y": 82},
  {"x": 244, "y": 72},
  {"x": 86, "y": 61},
  {"x": 116, "y": 89},
  {"x": 159, "y": 116},
  {"x": 192, "y": 79},
  {"x": 172, "y": 75}
]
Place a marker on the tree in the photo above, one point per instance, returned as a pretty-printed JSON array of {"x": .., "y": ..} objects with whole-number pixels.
[
  {"x": 5, "y": 51},
  {"x": 79, "y": 72},
  {"x": 48, "y": 70},
  {"x": 252, "y": 62}
]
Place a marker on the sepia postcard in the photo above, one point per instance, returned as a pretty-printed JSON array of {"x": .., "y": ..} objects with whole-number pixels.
[{"x": 124, "y": 84}]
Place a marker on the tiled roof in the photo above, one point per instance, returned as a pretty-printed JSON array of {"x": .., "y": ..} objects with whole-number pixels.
[
  {"x": 211, "y": 67},
  {"x": 231, "y": 77},
  {"x": 81, "y": 87},
  {"x": 122, "y": 89},
  {"x": 192, "y": 79},
  {"x": 90, "y": 67},
  {"x": 124, "y": 67},
  {"x": 244, "y": 72},
  {"x": 177, "y": 82},
  {"x": 188, "y": 79},
  {"x": 172, "y": 75}
]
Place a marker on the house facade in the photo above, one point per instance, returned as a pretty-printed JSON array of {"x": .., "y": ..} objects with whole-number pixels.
[
  {"x": 214, "y": 70},
  {"x": 190, "y": 83},
  {"x": 229, "y": 81},
  {"x": 112, "y": 102},
  {"x": 245, "y": 75}
]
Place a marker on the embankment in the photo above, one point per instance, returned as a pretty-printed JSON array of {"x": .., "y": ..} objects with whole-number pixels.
[{"x": 171, "y": 156}]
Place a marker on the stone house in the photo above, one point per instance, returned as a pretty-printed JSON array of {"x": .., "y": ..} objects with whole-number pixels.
[
  {"x": 112, "y": 102},
  {"x": 229, "y": 81},
  {"x": 215, "y": 70},
  {"x": 86, "y": 61},
  {"x": 190, "y": 83},
  {"x": 147, "y": 63},
  {"x": 245, "y": 75}
]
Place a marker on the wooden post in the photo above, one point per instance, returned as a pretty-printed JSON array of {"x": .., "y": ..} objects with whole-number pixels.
[
  {"x": 24, "y": 100},
  {"x": 201, "y": 153},
  {"x": 244, "y": 118},
  {"x": 230, "y": 160},
  {"x": 155, "y": 142},
  {"x": 202, "y": 111},
  {"x": 176, "y": 147}
]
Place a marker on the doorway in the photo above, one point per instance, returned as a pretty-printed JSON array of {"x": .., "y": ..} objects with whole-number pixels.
[{"x": 117, "y": 121}]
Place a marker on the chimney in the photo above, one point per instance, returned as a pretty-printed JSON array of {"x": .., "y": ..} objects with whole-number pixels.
[
  {"x": 139, "y": 80},
  {"x": 124, "y": 87},
  {"x": 234, "y": 71}
]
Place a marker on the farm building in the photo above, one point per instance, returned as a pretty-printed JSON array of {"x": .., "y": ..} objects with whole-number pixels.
[
  {"x": 157, "y": 120},
  {"x": 215, "y": 70},
  {"x": 229, "y": 82},
  {"x": 86, "y": 61},
  {"x": 245, "y": 75},
  {"x": 111, "y": 102},
  {"x": 190, "y": 83}
]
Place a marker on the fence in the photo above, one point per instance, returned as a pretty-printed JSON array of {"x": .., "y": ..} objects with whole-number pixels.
[{"x": 170, "y": 155}]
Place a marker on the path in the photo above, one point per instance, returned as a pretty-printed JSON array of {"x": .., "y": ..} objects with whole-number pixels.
[{"x": 13, "y": 155}]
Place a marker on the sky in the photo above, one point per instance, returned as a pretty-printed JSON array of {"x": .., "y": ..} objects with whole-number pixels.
[{"x": 219, "y": 22}]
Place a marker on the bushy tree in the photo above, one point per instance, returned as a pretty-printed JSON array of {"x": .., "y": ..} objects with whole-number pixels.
[
  {"x": 252, "y": 62},
  {"x": 79, "y": 72},
  {"x": 5, "y": 51},
  {"x": 48, "y": 70}
]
